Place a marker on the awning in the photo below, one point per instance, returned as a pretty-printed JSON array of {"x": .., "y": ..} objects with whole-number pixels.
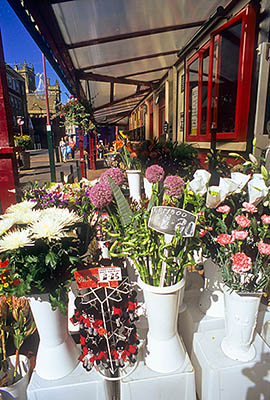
[{"x": 113, "y": 51}]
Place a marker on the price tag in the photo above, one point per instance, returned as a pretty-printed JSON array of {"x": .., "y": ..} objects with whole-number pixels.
[{"x": 109, "y": 274}]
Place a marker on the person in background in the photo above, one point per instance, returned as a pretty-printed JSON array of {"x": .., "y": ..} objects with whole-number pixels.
[
  {"x": 100, "y": 149},
  {"x": 72, "y": 145},
  {"x": 68, "y": 150},
  {"x": 63, "y": 148}
]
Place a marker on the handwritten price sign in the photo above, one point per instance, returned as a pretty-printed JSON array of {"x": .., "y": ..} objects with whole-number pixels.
[
  {"x": 109, "y": 274},
  {"x": 169, "y": 219}
]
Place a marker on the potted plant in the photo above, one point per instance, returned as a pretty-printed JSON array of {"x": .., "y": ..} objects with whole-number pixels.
[
  {"x": 159, "y": 259},
  {"x": 234, "y": 230},
  {"x": 41, "y": 249},
  {"x": 16, "y": 321},
  {"x": 23, "y": 142}
]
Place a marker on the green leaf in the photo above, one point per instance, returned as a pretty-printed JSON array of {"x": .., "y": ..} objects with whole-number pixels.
[{"x": 125, "y": 212}]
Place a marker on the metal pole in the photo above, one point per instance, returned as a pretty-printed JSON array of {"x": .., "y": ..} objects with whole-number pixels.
[
  {"x": 81, "y": 152},
  {"x": 48, "y": 125}
]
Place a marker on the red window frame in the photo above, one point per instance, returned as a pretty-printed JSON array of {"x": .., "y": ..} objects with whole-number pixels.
[
  {"x": 161, "y": 112},
  {"x": 248, "y": 16}
]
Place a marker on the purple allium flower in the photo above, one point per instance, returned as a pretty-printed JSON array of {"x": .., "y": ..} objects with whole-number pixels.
[
  {"x": 115, "y": 174},
  {"x": 101, "y": 195},
  {"x": 173, "y": 185},
  {"x": 154, "y": 173}
]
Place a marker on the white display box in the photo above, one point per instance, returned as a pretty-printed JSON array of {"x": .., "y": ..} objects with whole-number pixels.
[
  {"x": 145, "y": 383},
  {"x": 80, "y": 385},
  {"x": 220, "y": 378},
  {"x": 192, "y": 320}
]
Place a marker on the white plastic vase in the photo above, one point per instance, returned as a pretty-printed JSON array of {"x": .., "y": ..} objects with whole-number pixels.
[
  {"x": 148, "y": 187},
  {"x": 211, "y": 301},
  {"x": 57, "y": 354},
  {"x": 134, "y": 182},
  {"x": 165, "y": 352},
  {"x": 241, "y": 312},
  {"x": 18, "y": 389}
]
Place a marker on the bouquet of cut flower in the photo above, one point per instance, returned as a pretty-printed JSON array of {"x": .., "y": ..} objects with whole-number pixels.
[
  {"x": 160, "y": 262},
  {"x": 234, "y": 227},
  {"x": 39, "y": 249}
]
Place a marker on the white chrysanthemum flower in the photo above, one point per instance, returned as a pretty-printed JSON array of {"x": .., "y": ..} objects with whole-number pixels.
[
  {"x": 22, "y": 207},
  {"x": 22, "y": 218},
  {"x": 16, "y": 239},
  {"x": 48, "y": 228},
  {"x": 62, "y": 216},
  {"x": 5, "y": 225}
]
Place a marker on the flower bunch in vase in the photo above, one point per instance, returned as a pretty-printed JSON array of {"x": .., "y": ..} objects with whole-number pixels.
[
  {"x": 40, "y": 249},
  {"x": 234, "y": 231}
]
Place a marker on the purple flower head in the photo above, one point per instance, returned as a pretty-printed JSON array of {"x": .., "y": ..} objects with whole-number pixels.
[
  {"x": 115, "y": 174},
  {"x": 101, "y": 195},
  {"x": 173, "y": 185},
  {"x": 154, "y": 173}
]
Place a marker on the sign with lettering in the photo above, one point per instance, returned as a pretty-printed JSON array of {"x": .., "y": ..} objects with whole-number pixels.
[
  {"x": 169, "y": 219},
  {"x": 96, "y": 277}
]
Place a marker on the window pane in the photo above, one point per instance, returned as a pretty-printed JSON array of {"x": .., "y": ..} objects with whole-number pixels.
[
  {"x": 228, "y": 78},
  {"x": 193, "y": 97},
  {"x": 205, "y": 66}
]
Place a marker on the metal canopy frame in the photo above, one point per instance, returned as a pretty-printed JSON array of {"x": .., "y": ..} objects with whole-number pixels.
[{"x": 117, "y": 83}]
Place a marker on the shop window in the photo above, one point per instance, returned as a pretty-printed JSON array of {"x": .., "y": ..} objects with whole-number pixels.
[{"x": 219, "y": 79}]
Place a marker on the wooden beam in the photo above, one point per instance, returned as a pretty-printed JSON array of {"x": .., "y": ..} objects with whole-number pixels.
[
  {"x": 137, "y": 94},
  {"x": 127, "y": 60},
  {"x": 90, "y": 76},
  {"x": 145, "y": 72},
  {"x": 111, "y": 92},
  {"x": 132, "y": 35}
]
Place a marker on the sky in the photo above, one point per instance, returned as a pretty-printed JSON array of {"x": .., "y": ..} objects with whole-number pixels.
[{"x": 19, "y": 46}]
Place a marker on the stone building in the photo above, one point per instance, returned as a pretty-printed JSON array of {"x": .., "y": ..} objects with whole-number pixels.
[{"x": 37, "y": 106}]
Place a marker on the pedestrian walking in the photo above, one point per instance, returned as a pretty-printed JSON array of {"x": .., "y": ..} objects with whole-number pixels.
[
  {"x": 72, "y": 145},
  {"x": 100, "y": 149},
  {"x": 63, "y": 148}
]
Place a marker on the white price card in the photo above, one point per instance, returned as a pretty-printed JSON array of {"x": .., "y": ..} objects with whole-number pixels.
[{"x": 109, "y": 274}]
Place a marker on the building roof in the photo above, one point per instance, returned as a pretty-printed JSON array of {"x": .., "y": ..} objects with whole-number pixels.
[{"x": 114, "y": 52}]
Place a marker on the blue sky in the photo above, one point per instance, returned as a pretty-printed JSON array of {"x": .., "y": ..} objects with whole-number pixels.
[{"x": 19, "y": 46}]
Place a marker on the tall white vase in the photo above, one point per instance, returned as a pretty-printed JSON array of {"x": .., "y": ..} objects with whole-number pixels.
[
  {"x": 134, "y": 182},
  {"x": 18, "y": 389},
  {"x": 211, "y": 301},
  {"x": 165, "y": 352},
  {"x": 241, "y": 312},
  {"x": 57, "y": 354},
  {"x": 148, "y": 187}
]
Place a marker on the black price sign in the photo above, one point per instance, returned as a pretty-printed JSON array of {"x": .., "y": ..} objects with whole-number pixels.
[{"x": 169, "y": 219}]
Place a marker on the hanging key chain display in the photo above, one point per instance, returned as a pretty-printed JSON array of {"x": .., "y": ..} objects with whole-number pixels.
[{"x": 106, "y": 311}]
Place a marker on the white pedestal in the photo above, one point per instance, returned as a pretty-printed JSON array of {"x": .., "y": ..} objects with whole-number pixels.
[
  {"x": 145, "y": 383},
  {"x": 220, "y": 378},
  {"x": 80, "y": 384},
  {"x": 192, "y": 320}
]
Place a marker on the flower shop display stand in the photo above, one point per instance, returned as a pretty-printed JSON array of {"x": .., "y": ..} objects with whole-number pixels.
[
  {"x": 80, "y": 384},
  {"x": 145, "y": 382},
  {"x": 221, "y": 378},
  {"x": 192, "y": 319}
]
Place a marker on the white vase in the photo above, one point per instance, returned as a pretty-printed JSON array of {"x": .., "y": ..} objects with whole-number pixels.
[
  {"x": 134, "y": 182},
  {"x": 148, "y": 187},
  {"x": 241, "y": 312},
  {"x": 211, "y": 301},
  {"x": 57, "y": 354},
  {"x": 18, "y": 389},
  {"x": 165, "y": 352}
]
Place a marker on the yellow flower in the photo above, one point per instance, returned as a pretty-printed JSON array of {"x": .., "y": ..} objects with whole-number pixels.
[{"x": 6, "y": 285}]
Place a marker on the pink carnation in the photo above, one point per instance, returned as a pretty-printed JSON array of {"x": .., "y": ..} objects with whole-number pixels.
[
  {"x": 173, "y": 185},
  {"x": 115, "y": 174},
  {"x": 224, "y": 239},
  {"x": 264, "y": 248},
  {"x": 240, "y": 235},
  {"x": 241, "y": 263},
  {"x": 249, "y": 207},
  {"x": 202, "y": 232},
  {"x": 244, "y": 222},
  {"x": 154, "y": 173},
  {"x": 265, "y": 219},
  {"x": 101, "y": 195},
  {"x": 223, "y": 209}
]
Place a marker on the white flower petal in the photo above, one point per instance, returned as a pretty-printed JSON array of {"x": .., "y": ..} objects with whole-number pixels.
[{"x": 16, "y": 239}]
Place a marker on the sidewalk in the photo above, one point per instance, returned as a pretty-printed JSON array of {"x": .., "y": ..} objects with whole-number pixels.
[{"x": 40, "y": 169}]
